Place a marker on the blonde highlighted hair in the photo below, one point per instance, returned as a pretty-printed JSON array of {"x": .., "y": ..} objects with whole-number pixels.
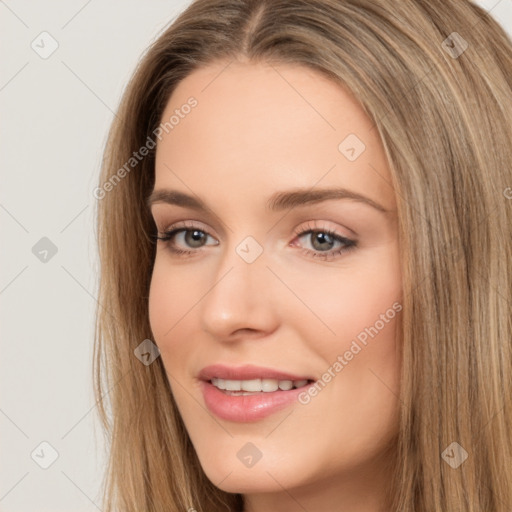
[{"x": 442, "y": 105}]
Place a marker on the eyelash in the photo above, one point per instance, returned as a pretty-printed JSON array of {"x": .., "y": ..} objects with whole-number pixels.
[{"x": 167, "y": 236}]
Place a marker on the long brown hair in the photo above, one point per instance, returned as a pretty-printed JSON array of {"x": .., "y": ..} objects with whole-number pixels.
[{"x": 435, "y": 77}]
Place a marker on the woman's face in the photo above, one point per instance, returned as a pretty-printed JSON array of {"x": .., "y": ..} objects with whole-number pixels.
[{"x": 278, "y": 274}]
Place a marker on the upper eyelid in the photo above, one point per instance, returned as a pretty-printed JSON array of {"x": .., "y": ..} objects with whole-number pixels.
[
  {"x": 211, "y": 217},
  {"x": 153, "y": 209},
  {"x": 188, "y": 225},
  {"x": 185, "y": 224}
]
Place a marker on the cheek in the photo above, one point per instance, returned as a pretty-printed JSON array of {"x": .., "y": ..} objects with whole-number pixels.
[
  {"x": 162, "y": 299},
  {"x": 174, "y": 296},
  {"x": 349, "y": 303},
  {"x": 167, "y": 297},
  {"x": 171, "y": 295},
  {"x": 169, "y": 303},
  {"x": 360, "y": 313}
]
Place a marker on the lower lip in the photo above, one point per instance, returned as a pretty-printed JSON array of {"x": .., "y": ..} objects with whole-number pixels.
[{"x": 246, "y": 408}]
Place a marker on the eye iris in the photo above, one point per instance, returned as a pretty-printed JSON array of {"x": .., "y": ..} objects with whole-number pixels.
[
  {"x": 322, "y": 238},
  {"x": 194, "y": 236}
]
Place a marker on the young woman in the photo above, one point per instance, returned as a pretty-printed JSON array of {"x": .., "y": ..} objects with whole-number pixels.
[{"x": 304, "y": 221}]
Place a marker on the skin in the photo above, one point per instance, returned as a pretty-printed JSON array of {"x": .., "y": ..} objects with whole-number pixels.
[{"x": 258, "y": 129}]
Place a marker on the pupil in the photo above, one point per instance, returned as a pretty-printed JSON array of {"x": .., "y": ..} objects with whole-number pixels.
[
  {"x": 323, "y": 238},
  {"x": 196, "y": 236}
]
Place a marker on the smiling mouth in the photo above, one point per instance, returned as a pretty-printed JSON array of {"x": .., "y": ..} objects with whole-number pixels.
[{"x": 256, "y": 386}]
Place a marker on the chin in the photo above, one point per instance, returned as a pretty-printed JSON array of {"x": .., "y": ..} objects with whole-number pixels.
[
  {"x": 246, "y": 481},
  {"x": 264, "y": 476}
]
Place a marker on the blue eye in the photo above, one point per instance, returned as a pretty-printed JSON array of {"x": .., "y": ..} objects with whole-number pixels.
[
  {"x": 195, "y": 238},
  {"x": 327, "y": 238}
]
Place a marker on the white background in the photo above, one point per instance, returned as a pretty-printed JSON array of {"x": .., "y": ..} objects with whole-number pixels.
[{"x": 54, "y": 118}]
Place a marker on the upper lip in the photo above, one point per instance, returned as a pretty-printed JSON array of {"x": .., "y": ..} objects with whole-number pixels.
[{"x": 246, "y": 372}]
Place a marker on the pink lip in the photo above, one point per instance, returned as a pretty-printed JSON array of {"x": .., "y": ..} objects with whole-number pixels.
[
  {"x": 246, "y": 372},
  {"x": 247, "y": 408}
]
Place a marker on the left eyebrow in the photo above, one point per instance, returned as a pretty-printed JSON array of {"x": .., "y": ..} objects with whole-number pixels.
[
  {"x": 296, "y": 198},
  {"x": 277, "y": 202}
]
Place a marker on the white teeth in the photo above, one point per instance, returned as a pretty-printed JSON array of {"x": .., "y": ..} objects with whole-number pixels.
[
  {"x": 257, "y": 385},
  {"x": 269, "y": 385},
  {"x": 251, "y": 385},
  {"x": 233, "y": 385},
  {"x": 285, "y": 385}
]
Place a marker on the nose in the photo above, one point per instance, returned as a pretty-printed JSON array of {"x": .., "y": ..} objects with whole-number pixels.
[{"x": 241, "y": 300}]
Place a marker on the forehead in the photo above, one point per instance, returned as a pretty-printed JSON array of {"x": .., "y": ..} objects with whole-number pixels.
[{"x": 258, "y": 126}]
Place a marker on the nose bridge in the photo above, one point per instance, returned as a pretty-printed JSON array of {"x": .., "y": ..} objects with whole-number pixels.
[{"x": 239, "y": 296}]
